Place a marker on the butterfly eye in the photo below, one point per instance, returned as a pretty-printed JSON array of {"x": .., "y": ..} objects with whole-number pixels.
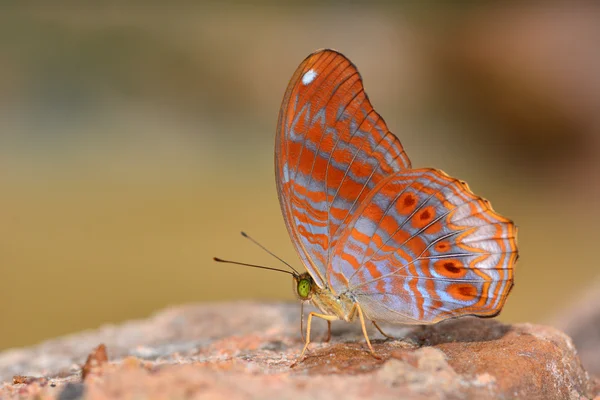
[{"x": 304, "y": 288}]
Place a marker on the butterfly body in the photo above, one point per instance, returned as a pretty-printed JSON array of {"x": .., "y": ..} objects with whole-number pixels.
[
  {"x": 337, "y": 306},
  {"x": 378, "y": 238}
]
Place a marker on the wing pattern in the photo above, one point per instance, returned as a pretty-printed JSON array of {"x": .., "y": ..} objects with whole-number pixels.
[
  {"x": 422, "y": 248},
  {"x": 408, "y": 245},
  {"x": 331, "y": 149}
]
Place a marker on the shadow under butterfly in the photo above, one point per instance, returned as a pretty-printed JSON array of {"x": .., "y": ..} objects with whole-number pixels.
[{"x": 379, "y": 240}]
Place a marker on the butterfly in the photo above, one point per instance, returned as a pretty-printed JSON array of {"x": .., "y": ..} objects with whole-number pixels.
[{"x": 380, "y": 241}]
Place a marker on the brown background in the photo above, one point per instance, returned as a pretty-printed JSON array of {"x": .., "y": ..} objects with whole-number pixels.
[{"x": 136, "y": 141}]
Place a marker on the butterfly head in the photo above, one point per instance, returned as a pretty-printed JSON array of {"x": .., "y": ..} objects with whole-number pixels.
[{"x": 303, "y": 286}]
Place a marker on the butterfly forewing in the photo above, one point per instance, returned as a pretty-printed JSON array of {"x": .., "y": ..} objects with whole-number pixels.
[{"x": 331, "y": 149}]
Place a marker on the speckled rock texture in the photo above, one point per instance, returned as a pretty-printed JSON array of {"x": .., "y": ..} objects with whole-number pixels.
[{"x": 245, "y": 350}]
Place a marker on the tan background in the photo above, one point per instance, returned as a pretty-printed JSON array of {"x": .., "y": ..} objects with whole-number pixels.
[{"x": 136, "y": 141}]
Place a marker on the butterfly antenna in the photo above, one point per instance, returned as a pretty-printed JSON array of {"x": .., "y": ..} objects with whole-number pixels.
[
  {"x": 252, "y": 265},
  {"x": 244, "y": 234}
]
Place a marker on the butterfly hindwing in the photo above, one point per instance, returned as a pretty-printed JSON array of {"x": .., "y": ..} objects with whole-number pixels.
[{"x": 422, "y": 248}]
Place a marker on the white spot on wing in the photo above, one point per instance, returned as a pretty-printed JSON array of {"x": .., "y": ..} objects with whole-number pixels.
[{"x": 309, "y": 76}]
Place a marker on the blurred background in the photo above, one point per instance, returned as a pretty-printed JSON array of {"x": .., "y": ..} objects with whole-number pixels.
[{"x": 136, "y": 142}]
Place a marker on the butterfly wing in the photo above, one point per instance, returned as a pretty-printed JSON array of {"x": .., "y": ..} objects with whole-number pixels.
[
  {"x": 331, "y": 150},
  {"x": 422, "y": 248}
]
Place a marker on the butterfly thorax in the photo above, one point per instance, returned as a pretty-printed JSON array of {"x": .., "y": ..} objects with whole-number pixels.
[
  {"x": 324, "y": 299},
  {"x": 341, "y": 306}
]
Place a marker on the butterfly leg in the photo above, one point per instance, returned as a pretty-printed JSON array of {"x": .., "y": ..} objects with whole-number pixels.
[
  {"x": 382, "y": 332},
  {"x": 328, "y": 337},
  {"x": 302, "y": 321},
  {"x": 308, "y": 325},
  {"x": 364, "y": 329}
]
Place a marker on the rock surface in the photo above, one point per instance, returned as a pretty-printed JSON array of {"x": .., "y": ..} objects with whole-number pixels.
[
  {"x": 581, "y": 320},
  {"x": 245, "y": 350}
]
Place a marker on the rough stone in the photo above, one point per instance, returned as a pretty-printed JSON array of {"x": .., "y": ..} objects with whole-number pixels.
[
  {"x": 581, "y": 320},
  {"x": 245, "y": 350}
]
